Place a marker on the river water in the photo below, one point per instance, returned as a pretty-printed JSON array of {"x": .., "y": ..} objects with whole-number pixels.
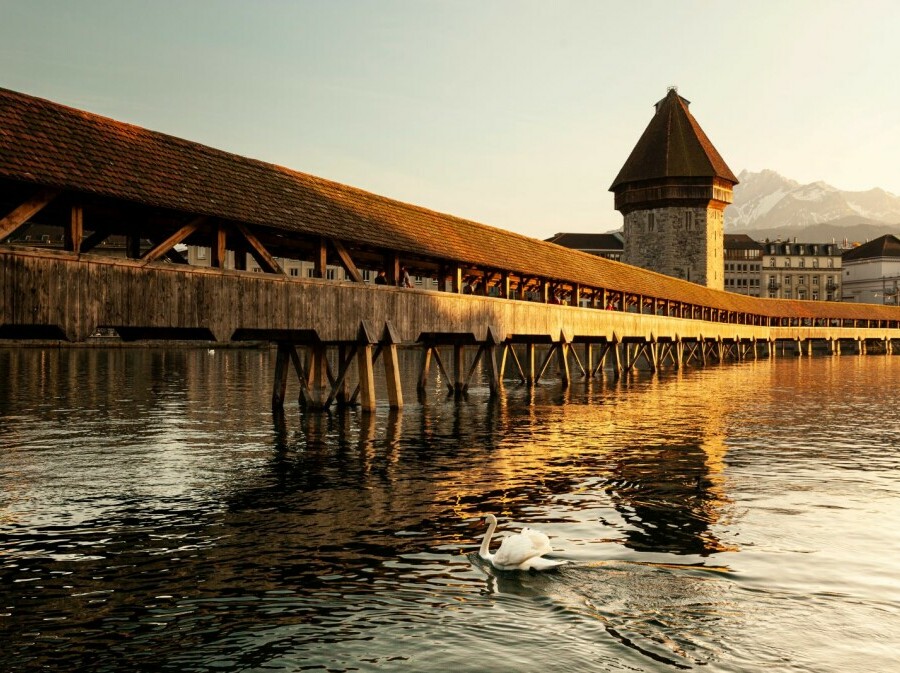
[{"x": 154, "y": 516}]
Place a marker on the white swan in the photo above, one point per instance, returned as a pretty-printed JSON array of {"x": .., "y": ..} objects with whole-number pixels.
[{"x": 521, "y": 551}]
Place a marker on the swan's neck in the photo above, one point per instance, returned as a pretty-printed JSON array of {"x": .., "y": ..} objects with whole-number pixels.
[{"x": 484, "y": 552}]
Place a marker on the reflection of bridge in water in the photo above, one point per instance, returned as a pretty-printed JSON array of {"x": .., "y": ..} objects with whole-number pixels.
[{"x": 93, "y": 178}]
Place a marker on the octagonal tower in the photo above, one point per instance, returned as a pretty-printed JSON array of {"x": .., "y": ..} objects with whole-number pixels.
[{"x": 672, "y": 191}]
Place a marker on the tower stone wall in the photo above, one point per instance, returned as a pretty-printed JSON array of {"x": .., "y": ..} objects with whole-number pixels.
[{"x": 680, "y": 241}]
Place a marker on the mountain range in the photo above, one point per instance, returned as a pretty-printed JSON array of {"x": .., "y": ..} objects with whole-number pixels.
[{"x": 769, "y": 205}]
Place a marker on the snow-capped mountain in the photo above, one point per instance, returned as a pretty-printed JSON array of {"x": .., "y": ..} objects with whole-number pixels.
[{"x": 767, "y": 200}]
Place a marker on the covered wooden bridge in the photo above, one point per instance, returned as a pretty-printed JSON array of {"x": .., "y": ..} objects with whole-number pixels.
[{"x": 94, "y": 180}]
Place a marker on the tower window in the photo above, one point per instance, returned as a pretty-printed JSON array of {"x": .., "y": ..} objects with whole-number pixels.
[
  {"x": 651, "y": 222},
  {"x": 688, "y": 220}
]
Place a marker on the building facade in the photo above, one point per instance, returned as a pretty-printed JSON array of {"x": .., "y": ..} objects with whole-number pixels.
[
  {"x": 608, "y": 246},
  {"x": 743, "y": 265},
  {"x": 871, "y": 272},
  {"x": 672, "y": 192},
  {"x": 810, "y": 271},
  {"x": 200, "y": 256}
]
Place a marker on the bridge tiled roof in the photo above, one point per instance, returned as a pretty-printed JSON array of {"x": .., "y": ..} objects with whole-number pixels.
[
  {"x": 49, "y": 144},
  {"x": 673, "y": 146}
]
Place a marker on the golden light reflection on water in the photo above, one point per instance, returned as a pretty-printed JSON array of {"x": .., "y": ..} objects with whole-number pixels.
[{"x": 157, "y": 480}]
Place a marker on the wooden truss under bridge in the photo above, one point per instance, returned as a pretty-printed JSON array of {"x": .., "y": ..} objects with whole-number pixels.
[{"x": 119, "y": 202}]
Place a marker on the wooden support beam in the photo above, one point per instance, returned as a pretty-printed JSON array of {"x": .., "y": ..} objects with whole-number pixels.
[
  {"x": 339, "y": 388},
  {"x": 175, "y": 257},
  {"x": 392, "y": 376},
  {"x": 260, "y": 254},
  {"x": 564, "y": 373},
  {"x": 95, "y": 239},
  {"x": 133, "y": 245},
  {"x": 219, "y": 248},
  {"x": 75, "y": 230},
  {"x": 456, "y": 280},
  {"x": 515, "y": 355},
  {"x": 346, "y": 261},
  {"x": 495, "y": 380},
  {"x": 423, "y": 369},
  {"x": 279, "y": 384},
  {"x": 320, "y": 259},
  {"x": 20, "y": 215},
  {"x": 240, "y": 258},
  {"x": 392, "y": 268},
  {"x": 366, "y": 370},
  {"x": 505, "y": 285},
  {"x": 317, "y": 377},
  {"x": 459, "y": 363},
  {"x": 547, "y": 358},
  {"x": 577, "y": 361},
  {"x": 530, "y": 373},
  {"x": 301, "y": 374},
  {"x": 605, "y": 349},
  {"x": 442, "y": 369},
  {"x": 475, "y": 362},
  {"x": 617, "y": 359},
  {"x": 161, "y": 249}
]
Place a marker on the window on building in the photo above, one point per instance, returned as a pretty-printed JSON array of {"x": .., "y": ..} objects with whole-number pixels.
[
  {"x": 801, "y": 280},
  {"x": 787, "y": 294},
  {"x": 310, "y": 272},
  {"x": 651, "y": 222},
  {"x": 295, "y": 271},
  {"x": 330, "y": 274},
  {"x": 830, "y": 263},
  {"x": 787, "y": 263},
  {"x": 815, "y": 280},
  {"x": 801, "y": 263},
  {"x": 201, "y": 253},
  {"x": 688, "y": 220},
  {"x": 787, "y": 280},
  {"x": 815, "y": 264}
]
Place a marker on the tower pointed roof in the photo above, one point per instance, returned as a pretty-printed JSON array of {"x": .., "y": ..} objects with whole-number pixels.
[{"x": 673, "y": 146}]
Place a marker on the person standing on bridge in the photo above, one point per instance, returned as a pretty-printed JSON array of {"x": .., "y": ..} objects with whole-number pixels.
[
  {"x": 404, "y": 277},
  {"x": 380, "y": 278}
]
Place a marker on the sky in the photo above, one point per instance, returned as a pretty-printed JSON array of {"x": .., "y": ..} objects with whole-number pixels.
[{"x": 517, "y": 114}]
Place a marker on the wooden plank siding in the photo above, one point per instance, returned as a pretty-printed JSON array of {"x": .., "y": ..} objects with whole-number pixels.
[{"x": 76, "y": 294}]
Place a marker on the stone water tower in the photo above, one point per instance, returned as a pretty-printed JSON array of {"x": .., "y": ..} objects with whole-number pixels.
[{"x": 673, "y": 190}]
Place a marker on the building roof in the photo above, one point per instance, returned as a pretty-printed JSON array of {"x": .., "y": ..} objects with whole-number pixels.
[
  {"x": 673, "y": 146},
  {"x": 883, "y": 246},
  {"x": 740, "y": 242},
  {"x": 578, "y": 241}
]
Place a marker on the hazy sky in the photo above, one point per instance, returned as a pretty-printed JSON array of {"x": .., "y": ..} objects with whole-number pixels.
[{"x": 517, "y": 114}]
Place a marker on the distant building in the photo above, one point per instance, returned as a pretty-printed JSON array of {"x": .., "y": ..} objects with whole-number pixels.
[
  {"x": 672, "y": 192},
  {"x": 872, "y": 271},
  {"x": 608, "y": 246},
  {"x": 743, "y": 264},
  {"x": 809, "y": 271},
  {"x": 200, "y": 256}
]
